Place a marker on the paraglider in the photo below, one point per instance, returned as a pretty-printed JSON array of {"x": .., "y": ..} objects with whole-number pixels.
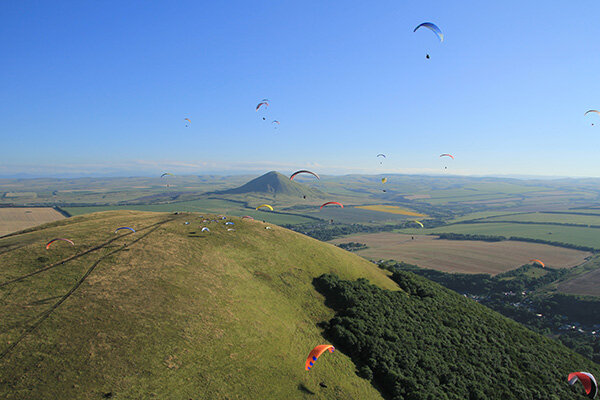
[
  {"x": 275, "y": 122},
  {"x": 229, "y": 223},
  {"x": 124, "y": 227},
  {"x": 592, "y": 111},
  {"x": 59, "y": 239},
  {"x": 205, "y": 229},
  {"x": 381, "y": 155},
  {"x": 587, "y": 380},
  {"x": 332, "y": 202},
  {"x": 165, "y": 174},
  {"x": 268, "y": 227},
  {"x": 247, "y": 217},
  {"x": 230, "y": 230},
  {"x": 303, "y": 171},
  {"x": 261, "y": 104},
  {"x": 433, "y": 27},
  {"x": 417, "y": 222},
  {"x": 447, "y": 155},
  {"x": 383, "y": 180},
  {"x": 265, "y": 205},
  {"x": 315, "y": 354},
  {"x": 536, "y": 261},
  {"x": 188, "y": 122}
]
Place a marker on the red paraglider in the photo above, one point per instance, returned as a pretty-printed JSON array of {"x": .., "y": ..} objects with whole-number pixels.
[
  {"x": 332, "y": 202},
  {"x": 57, "y": 239},
  {"x": 587, "y": 380}
]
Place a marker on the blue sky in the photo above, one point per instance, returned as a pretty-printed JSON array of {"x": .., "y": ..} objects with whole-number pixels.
[{"x": 102, "y": 87}]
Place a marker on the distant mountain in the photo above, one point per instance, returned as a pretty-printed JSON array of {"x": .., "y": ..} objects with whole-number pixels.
[{"x": 274, "y": 183}]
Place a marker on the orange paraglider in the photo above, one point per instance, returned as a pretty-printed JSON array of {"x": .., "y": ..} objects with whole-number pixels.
[
  {"x": 536, "y": 261},
  {"x": 316, "y": 353}
]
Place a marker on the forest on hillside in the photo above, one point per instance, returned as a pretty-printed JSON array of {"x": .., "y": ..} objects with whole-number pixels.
[{"x": 427, "y": 342}]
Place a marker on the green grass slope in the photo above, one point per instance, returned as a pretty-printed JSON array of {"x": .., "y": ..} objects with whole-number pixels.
[{"x": 169, "y": 312}]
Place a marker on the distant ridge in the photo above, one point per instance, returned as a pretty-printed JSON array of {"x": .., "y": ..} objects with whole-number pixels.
[{"x": 274, "y": 183}]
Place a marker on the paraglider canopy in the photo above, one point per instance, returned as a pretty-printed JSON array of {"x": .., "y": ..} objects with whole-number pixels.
[
  {"x": 592, "y": 111},
  {"x": 59, "y": 239},
  {"x": 536, "y": 261},
  {"x": 266, "y": 206},
  {"x": 417, "y": 222},
  {"x": 332, "y": 202},
  {"x": 262, "y": 104},
  {"x": 433, "y": 27},
  {"x": 304, "y": 171},
  {"x": 383, "y": 180},
  {"x": 124, "y": 227},
  {"x": 247, "y": 216},
  {"x": 587, "y": 380},
  {"x": 315, "y": 354},
  {"x": 205, "y": 229},
  {"x": 447, "y": 155},
  {"x": 166, "y": 173}
]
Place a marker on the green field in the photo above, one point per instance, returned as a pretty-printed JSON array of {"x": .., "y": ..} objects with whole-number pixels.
[
  {"x": 353, "y": 215},
  {"x": 216, "y": 206},
  {"x": 576, "y": 235},
  {"x": 566, "y": 218}
]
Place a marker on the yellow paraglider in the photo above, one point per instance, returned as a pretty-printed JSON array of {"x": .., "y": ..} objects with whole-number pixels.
[
  {"x": 417, "y": 222},
  {"x": 265, "y": 205},
  {"x": 383, "y": 180}
]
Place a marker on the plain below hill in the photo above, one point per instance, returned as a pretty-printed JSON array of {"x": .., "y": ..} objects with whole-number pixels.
[
  {"x": 464, "y": 256},
  {"x": 171, "y": 311}
]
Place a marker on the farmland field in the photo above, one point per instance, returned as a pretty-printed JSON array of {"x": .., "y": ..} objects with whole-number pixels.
[
  {"x": 391, "y": 210},
  {"x": 585, "y": 284},
  {"x": 562, "y": 218},
  {"x": 461, "y": 256},
  {"x": 582, "y": 236},
  {"x": 14, "y": 219}
]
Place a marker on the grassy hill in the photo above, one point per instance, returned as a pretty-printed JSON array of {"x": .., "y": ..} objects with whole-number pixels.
[
  {"x": 170, "y": 312},
  {"x": 174, "y": 314}
]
